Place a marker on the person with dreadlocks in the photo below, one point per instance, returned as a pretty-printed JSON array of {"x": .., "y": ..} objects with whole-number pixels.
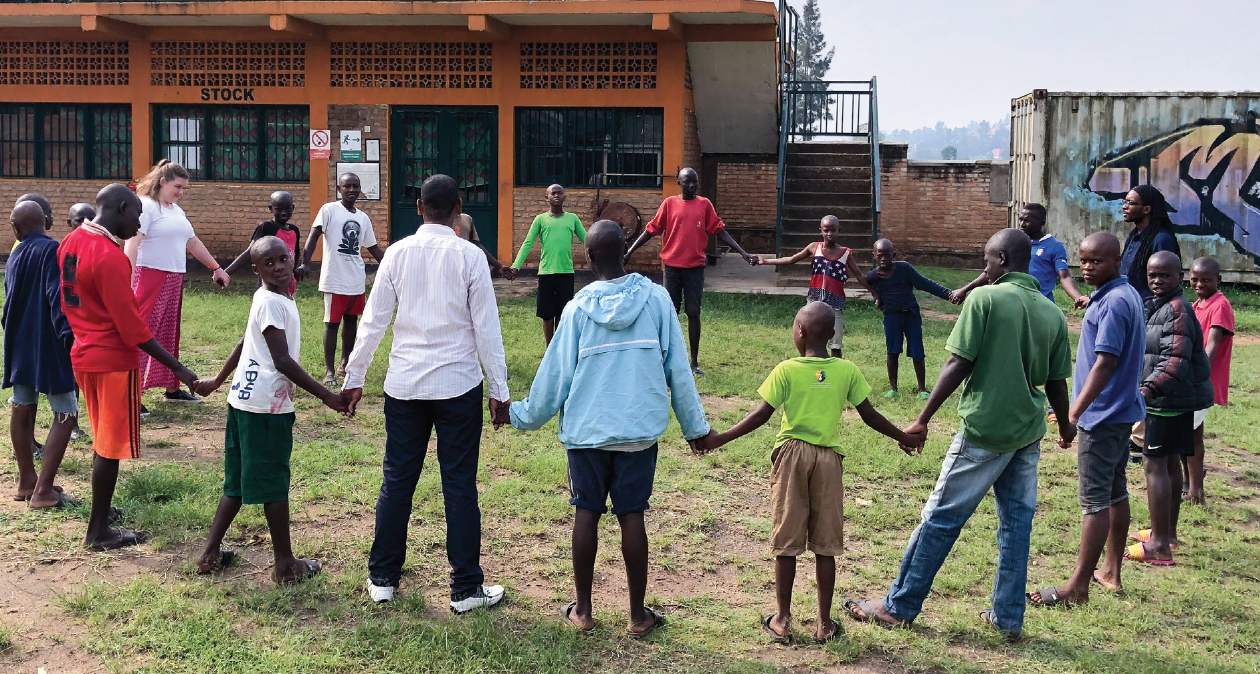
[{"x": 1146, "y": 209}]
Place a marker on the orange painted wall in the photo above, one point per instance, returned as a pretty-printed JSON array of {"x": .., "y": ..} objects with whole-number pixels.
[{"x": 670, "y": 94}]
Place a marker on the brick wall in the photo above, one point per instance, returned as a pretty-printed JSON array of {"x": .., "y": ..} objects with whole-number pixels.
[
  {"x": 528, "y": 202},
  {"x": 62, "y": 193},
  {"x": 691, "y": 140},
  {"x": 937, "y": 212},
  {"x": 350, "y": 117},
  {"x": 747, "y": 198}
]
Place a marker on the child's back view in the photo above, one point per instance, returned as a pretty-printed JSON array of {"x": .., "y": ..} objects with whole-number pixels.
[{"x": 615, "y": 366}]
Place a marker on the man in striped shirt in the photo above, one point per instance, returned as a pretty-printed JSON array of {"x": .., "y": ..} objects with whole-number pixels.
[{"x": 447, "y": 321}]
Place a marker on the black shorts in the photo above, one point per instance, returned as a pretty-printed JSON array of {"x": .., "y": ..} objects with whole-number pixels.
[
  {"x": 626, "y": 477},
  {"x": 1169, "y": 436},
  {"x": 685, "y": 286},
  {"x": 554, "y": 291}
]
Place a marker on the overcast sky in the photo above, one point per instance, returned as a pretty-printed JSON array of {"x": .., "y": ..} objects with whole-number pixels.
[{"x": 961, "y": 60}]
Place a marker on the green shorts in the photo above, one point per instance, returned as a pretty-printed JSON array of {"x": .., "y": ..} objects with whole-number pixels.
[{"x": 256, "y": 453}]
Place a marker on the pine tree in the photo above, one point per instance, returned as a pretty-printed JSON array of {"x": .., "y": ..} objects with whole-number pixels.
[{"x": 813, "y": 62}]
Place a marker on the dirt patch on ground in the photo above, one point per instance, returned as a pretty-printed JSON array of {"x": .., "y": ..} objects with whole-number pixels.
[{"x": 719, "y": 404}]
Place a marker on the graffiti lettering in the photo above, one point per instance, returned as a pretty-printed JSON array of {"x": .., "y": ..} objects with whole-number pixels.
[{"x": 1209, "y": 171}]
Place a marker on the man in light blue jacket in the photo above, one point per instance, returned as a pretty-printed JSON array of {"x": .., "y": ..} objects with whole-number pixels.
[{"x": 616, "y": 365}]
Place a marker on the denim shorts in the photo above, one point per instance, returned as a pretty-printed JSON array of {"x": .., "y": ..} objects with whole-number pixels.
[
  {"x": 597, "y": 474},
  {"x": 61, "y": 403},
  {"x": 1102, "y": 454},
  {"x": 908, "y": 324}
]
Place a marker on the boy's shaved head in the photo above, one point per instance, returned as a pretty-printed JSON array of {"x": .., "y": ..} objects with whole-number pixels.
[
  {"x": 44, "y": 205},
  {"x": 884, "y": 244},
  {"x": 82, "y": 212},
  {"x": 818, "y": 319},
  {"x": 280, "y": 196},
  {"x": 263, "y": 245},
  {"x": 1164, "y": 259},
  {"x": 1103, "y": 244},
  {"x": 1206, "y": 265},
  {"x": 605, "y": 241},
  {"x": 346, "y": 176},
  {"x": 27, "y": 218}
]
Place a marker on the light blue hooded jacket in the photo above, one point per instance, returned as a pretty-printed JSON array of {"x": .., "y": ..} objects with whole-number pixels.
[{"x": 615, "y": 362}]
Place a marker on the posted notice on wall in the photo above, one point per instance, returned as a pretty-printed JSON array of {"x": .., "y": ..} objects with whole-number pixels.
[
  {"x": 351, "y": 145},
  {"x": 369, "y": 177}
]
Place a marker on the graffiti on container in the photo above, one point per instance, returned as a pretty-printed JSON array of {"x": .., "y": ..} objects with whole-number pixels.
[{"x": 1209, "y": 171}]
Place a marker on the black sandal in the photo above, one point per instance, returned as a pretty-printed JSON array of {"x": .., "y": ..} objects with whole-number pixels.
[
  {"x": 775, "y": 636},
  {"x": 126, "y": 538},
  {"x": 657, "y": 621},
  {"x": 226, "y": 557},
  {"x": 839, "y": 630},
  {"x": 306, "y": 569}
]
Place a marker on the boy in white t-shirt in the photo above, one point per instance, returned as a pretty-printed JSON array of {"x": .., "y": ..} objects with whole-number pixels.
[
  {"x": 342, "y": 277},
  {"x": 259, "y": 436}
]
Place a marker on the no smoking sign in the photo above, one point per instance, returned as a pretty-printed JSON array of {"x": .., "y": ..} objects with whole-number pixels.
[{"x": 321, "y": 143}]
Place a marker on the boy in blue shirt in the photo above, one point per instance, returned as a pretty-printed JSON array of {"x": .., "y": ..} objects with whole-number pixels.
[
  {"x": 1106, "y": 403},
  {"x": 896, "y": 282},
  {"x": 807, "y": 480},
  {"x": 617, "y": 349},
  {"x": 1048, "y": 263},
  {"x": 37, "y": 341}
]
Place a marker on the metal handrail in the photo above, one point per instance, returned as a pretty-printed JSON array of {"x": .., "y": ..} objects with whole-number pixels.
[{"x": 875, "y": 165}]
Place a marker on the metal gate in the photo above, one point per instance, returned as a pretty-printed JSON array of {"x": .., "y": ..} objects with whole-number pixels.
[{"x": 460, "y": 142}]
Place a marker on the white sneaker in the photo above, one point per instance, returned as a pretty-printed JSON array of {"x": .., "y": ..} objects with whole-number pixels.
[
  {"x": 380, "y": 594},
  {"x": 485, "y": 596}
]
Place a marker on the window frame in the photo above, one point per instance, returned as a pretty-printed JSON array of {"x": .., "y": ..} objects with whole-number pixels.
[
  {"x": 208, "y": 143},
  {"x": 561, "y": 131},
  {"x": 86, "y": 146}
]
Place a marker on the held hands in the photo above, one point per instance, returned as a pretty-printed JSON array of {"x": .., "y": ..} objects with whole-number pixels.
[
  {"x": 752, "y": 259},
  {"x": 221, "y": 278},
  {"x": 1081, "y": 302},
  {"x": 957, "y": 296},
  {"x": 916, "y": 435},
  {"x": 499, "y": 415},
  {"x": 339, "y": 403},
  {"x": 508, "y": 273},
  {"x": 352, "y": 396},
  {"x": 204, "y": 387},
  {"x": 1067, "y": 433},
  {"x": 300, "y": 272},
  {"x": 705, "y": 444}
]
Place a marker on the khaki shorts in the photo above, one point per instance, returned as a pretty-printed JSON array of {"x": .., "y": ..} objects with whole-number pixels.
[
  {"x": 837, "y": 340},
  {"x": 807, "y": 500}
]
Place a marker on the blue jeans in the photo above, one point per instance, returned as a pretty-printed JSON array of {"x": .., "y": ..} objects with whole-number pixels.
[{"x": 966, "y": 476}]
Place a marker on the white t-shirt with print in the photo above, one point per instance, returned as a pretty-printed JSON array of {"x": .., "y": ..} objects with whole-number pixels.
[
  {"x": 166, "y": 233},
  {"x": 257, "y": 386},
  {"x": 342, "y": 271}
]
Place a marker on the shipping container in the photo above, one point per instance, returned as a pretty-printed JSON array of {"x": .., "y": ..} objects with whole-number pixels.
[{"x": 1080, "y": 153}]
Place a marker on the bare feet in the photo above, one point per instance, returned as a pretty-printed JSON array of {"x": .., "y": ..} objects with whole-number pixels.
[
  {"x": 1107, "y": 580},
  {"x": 872, "y": 611}
]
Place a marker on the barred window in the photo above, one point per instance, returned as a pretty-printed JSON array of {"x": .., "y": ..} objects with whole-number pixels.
[
  {"x": 611, "y": 147},
  {"x": 65, "y": 141},
  {"x": 251, "y": 144}
]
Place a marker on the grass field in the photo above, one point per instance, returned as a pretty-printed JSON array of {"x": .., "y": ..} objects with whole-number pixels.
[{"x": 711, "y": 573}]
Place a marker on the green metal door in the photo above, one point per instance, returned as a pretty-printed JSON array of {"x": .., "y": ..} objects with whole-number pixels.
[{"x": 460, "y": 142}]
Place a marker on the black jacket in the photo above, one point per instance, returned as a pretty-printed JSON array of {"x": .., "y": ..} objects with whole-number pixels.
[{"x": 1175, "y": 366}]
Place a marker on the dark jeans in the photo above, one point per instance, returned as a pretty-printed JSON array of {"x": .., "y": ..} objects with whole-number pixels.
[{"x": 408, "y": 425}]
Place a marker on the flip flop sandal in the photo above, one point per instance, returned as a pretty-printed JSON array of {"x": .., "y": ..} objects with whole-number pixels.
[
  {"x": 775, "y": 636},
  {"x": 126, "y": 538},
  {"x": 1137, "y": 553},
  {"x": 1144, "y": 536},
  {"x": 63, "y": 501},
  {"x": 26, "y": 497},
  {"x": 986, "y": 616},
  {"x": 868, "y": 615},
  {"x": 839, "y": 630},
  {"x": 657, "y": 621},
  {"x": 1049, "y": 598},
  {"x": 226, "y": 557},
  {"x": 567, "y": 611},
  {"x": 308, "y": 568},
  {"x": 114, "y": 516}
]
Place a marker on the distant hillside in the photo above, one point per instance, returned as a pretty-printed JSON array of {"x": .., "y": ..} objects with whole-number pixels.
[{"x": 977, "y": 140}]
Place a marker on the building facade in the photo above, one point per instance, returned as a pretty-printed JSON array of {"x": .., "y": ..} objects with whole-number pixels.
[{"x": 606, "y": 97}]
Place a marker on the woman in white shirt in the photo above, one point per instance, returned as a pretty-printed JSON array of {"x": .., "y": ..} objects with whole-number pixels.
[{"x": 158, "y": 256}]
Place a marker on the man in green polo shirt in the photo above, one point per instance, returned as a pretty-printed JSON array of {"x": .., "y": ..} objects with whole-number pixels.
[{"x": 1009, "y": 342}]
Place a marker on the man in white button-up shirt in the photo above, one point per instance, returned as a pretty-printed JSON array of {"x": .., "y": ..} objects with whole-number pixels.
[{"x": 447, "y": 321}]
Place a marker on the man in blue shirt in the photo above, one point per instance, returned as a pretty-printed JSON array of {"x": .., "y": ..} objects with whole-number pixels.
[
  {"x": 1107, "y": 404},
  {"x": 1049, "y": 259}
]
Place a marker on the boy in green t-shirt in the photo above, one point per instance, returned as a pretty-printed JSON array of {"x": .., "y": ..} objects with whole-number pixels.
[
  {"x": 807, "y": 478},
  {"x": 556, "y": 228}
]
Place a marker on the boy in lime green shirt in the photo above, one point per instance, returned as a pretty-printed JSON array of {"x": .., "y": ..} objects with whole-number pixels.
[
  {"x": 807, "y": 478},
  {"x": 556, "y": 228}
]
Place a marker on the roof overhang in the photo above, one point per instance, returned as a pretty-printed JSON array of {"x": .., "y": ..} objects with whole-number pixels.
[{"x": 494, "y": 16}]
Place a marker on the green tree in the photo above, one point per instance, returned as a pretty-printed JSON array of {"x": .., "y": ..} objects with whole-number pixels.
[
  {"x": 813, "y": 62},
  {"x": 949, "y": 152}
]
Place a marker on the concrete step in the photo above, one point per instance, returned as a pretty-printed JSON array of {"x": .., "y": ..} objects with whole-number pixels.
[
  {"x": 827, "y": 159},
  {"x": 828, "y": 173},
  {"x": 829, "y": 148},
  {"x": 830, "y": 199},
  {"x": 816, "y": 213},
  {"x": 794, "y": 242},
  {"x": 830, "y": 185},
  {"x": 810, "y": 225}
]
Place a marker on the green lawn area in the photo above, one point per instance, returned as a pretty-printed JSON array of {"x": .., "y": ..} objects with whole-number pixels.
[{"x": 712, "y": 573}]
